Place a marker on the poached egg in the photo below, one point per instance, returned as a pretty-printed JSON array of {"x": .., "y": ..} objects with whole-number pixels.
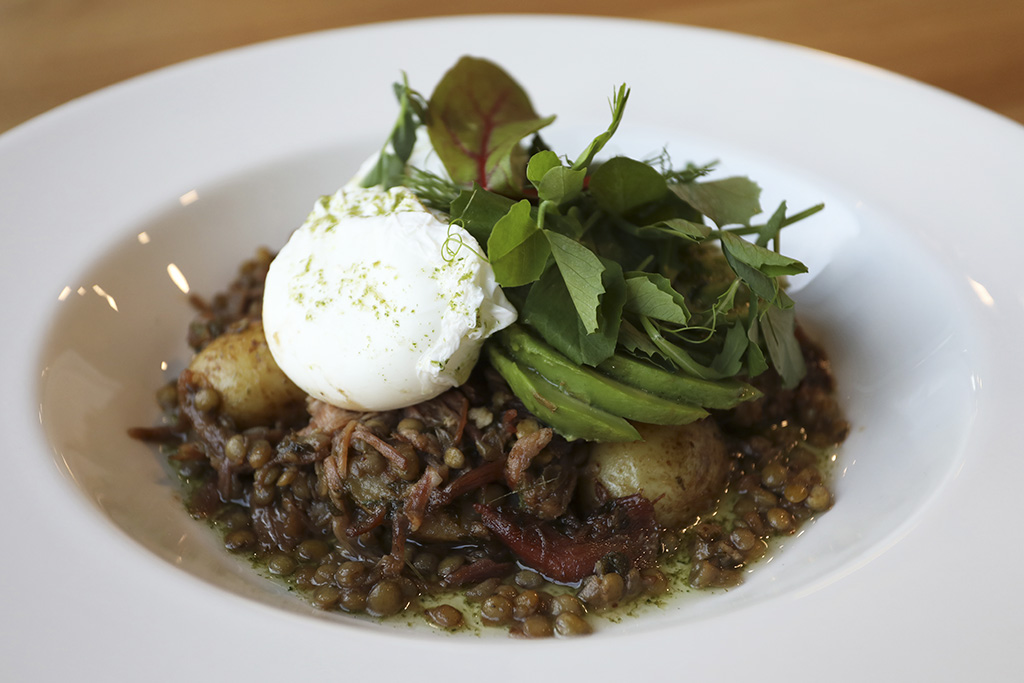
[{"x": 376, "y": 303}]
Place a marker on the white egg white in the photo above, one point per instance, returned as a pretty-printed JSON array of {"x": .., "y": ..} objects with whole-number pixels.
[{"x": 376, "y": 304}]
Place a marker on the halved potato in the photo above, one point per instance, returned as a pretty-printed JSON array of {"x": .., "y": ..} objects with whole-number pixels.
[
  {"x": 684, "y": 469},
  {"x": 253, "y": 389}
]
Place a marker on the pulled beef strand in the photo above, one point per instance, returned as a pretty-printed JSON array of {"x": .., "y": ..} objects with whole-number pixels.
[
  {"x": 476, "y": 572},
  {"x": 625, "y": 525},
  {"x": 522, "y": 453},
  {"x": 418, "y": 496},
  {"x": 472, "y": 480}
]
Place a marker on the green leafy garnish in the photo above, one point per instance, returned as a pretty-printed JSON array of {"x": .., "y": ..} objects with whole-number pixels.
[
  {"x": 608, "y": 260},
  {"x": 390, "y": 167},
  {"x": 731, "y": 201},
  {"x": 517, "y": 247},
  {"x": 478, "y": 116}
]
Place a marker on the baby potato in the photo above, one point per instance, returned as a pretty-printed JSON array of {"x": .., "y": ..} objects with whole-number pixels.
[
  {"x": 252, "y": 388},
  {"x": 683, "y": 469}
]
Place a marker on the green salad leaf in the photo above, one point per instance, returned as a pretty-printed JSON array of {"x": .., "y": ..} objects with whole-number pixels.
[
  {"x": 652, "y": 295},
  {"x": 622, "y": 184},
  {"x": 549, "y": 300},
  {"x": 517, "y": 248},
  {"x": 730, "y": 201},
  {"x": 581, "y": 271}
]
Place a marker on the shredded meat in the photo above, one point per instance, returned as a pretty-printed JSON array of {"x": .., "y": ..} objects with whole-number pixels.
[
  {"x": 281, "y": 525},
  {"x": 394, "y": 456},
  {"x": 478, "y": 571},
  {"x": 626, "y": 526},
  {"x": 327, "y": 418},
  {"x": 523, "y": 452},
  {"x": 212, "y": 434},
  {"x": 472, "y": 480},
  {"x": 418, "y": 496}
]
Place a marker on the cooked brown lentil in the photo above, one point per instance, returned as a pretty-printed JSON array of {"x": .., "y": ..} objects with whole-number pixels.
[
  {"x": 207, "y": 399},
  {"x": 326, "y": 597},
  {"x": 601, "y": 591},
  {"x": 567, "y": 604},
  {"x": 312, "y": 549},
  {"x": 385, "y": 598},
  {"x": 281, "y": 564},
  {"x": 529, "y": 579},
  {"x": 446, "y": 616},
  {"x": 537, "y": 626},
  {"x": 496, "y": 610},
  {"x": 571, "y": 624},
  {"x": 352, "y": 600},
  {"x": 241, "y": 539}
]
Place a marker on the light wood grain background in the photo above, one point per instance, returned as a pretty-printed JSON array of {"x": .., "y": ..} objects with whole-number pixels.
[{"x": 52, "y": 51}]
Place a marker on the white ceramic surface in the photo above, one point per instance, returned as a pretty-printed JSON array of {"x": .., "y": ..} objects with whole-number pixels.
[{"x": 912, "y": 289}]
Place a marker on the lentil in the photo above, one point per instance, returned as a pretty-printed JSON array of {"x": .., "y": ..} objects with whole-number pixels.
[
  {"x": 352, "y": 600},
  {"x": 454, "y": 458},
  {"x": 410, "y": 425},
  {"x": 350, "y": 574},
  {"x": 602, "y": 591},
  {"x": 281, "y": 564},
  {"x": 312, "y": 549},
  {"x": 507, "y": 591},
  {"x": 526, "y": 603},
  {"x": 780, "y": 519},
  {"x": 425, "y": 563},
  {"x": 262, "y": 495},
  {"x": 819, "y": 498},
  {"x": 446, "y": 616},
  {"x": 483, "y": 590},
  {"x": 449, "y": 564},
  {"x": 235, "y": 449},
  {"x": 324, "y": 574},
  {"x": 538, "y": 626},
  {"x": 326, "y": 597},
  {"x": 303, "y": 576},
  {"x": 207, "y": 400},
  {"x": 167, "y": 396},
  {"x": 287, "y": 477},
  {"x": 267, "y": 476},
  {"x": 743, "y": 539},
  {"x": 764, "y": 499},
  {"x": 240, "y": 539},
  {"x": 773, "y": 476},
  {"x": 234, "y": 518},
  {"x": 529, "y": 579},
  {"x": 654, "y": 582},
  {"x": 385, "y": 598},
  {"x": 795, "y": 493},
  {"x": 569, "y": 624},
  {"x": 567, "y": 604},
  {"x": 260, "y": 453},
  {"x": 497, "y": 609}
]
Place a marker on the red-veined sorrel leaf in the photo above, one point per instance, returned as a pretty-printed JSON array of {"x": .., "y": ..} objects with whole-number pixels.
[{"x": 478, "y": 116}]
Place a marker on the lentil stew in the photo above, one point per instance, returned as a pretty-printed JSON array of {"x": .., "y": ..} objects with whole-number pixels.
[{"x": 391, "y": 513}]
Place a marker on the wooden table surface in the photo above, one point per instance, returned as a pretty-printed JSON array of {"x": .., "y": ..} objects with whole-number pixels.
[{"x": 52, "y": 51}]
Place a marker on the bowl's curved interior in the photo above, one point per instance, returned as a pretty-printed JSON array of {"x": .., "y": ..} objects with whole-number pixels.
[{"x": 882, "y": 308}]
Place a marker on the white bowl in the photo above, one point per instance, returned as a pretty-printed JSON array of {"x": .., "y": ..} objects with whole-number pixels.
[{"x": 199, "y": 164}]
